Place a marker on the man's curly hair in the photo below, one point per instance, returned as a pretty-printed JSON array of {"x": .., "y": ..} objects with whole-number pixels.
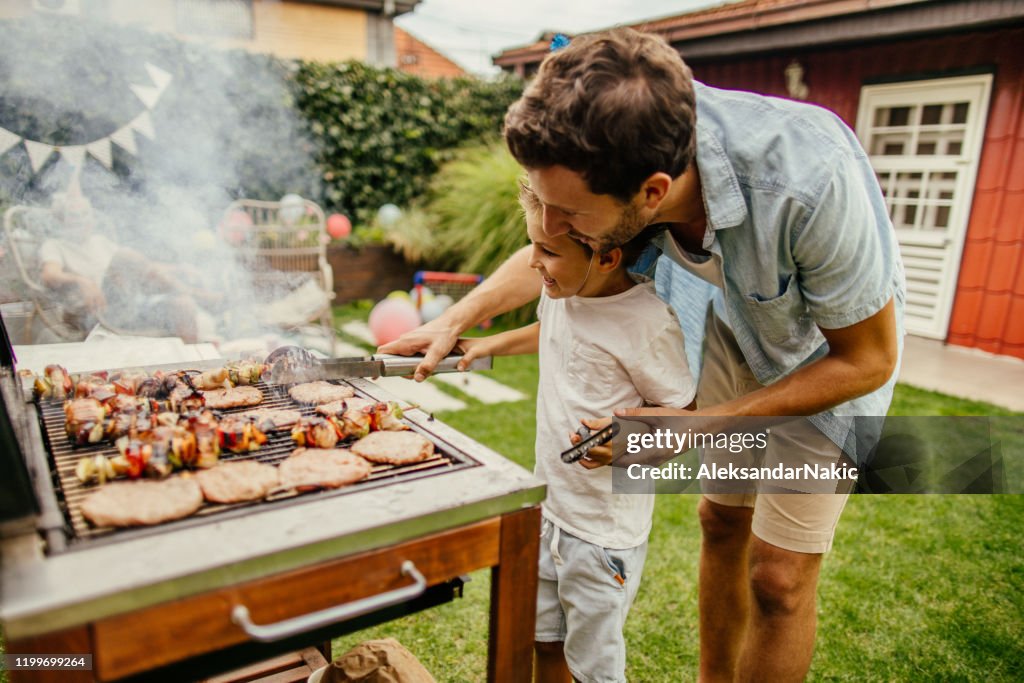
[{"x": 615, "y": 106}]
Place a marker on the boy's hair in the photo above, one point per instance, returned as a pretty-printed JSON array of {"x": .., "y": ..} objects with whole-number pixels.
[
  {"x": 616, "y": 107},
  {"x": 631, "y": 250}
]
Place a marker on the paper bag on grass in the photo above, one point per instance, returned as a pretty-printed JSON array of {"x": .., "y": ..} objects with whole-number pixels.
[{"x": 377, "y": 661}]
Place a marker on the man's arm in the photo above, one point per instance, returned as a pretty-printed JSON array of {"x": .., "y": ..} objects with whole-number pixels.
[
  {"x": 53, "y": 276},
  {"x": 511, "y": 286},
  {"x": 860, "y": 359}
]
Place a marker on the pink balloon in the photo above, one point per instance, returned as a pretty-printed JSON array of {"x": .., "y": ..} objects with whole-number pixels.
[
  {"x": 338, "y": 226},
  {"x": 391, "y": 318},
  {"x": 234, "y": 226},
  {"x": 238, "y": 219}
]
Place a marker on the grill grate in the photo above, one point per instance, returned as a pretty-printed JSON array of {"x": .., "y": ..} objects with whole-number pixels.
[{"x": 64, "y": 458}]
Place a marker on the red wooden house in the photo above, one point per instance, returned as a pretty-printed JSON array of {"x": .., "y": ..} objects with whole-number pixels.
[{"x": 935, "y": 91}]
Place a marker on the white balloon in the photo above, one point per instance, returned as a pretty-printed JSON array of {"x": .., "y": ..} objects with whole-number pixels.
[
  {"x": 431, "y": 309},
  {"x": 425, "y": 294},
  {"x": 292, "y": 208},
  {"x": 444, "y": 301},
  {"x": 388, "y": 215}
]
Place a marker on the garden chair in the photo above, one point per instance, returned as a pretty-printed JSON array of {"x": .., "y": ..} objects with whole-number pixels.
[
  {"x": 283, "y": 247},
  {"x": 55, "y": 316},
  {"x": 50, "y": 318}
]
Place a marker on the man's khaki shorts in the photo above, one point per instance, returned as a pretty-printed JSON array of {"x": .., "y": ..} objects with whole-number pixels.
[{"x": 801, "y": 522}]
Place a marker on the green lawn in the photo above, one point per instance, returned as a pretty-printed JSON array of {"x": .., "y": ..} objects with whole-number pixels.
[{"x": 916, "y": 587}]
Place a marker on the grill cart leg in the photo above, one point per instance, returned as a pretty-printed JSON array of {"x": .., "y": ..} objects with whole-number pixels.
[{"x": 514, "y": 599}]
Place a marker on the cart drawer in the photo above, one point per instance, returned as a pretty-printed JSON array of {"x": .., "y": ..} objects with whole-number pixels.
[{"x": 138, "y": 641}]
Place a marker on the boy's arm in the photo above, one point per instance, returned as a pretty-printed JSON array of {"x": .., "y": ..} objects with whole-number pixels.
[{"x": 510, "y": 343}]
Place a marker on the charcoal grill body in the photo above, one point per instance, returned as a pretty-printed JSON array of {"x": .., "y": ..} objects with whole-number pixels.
[{"x": 162, "y": 604}]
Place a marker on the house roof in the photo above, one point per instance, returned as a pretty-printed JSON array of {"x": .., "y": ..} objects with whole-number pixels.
[
  {"x": 416, "y": 57},
  {"x": 765, "y": 25}
]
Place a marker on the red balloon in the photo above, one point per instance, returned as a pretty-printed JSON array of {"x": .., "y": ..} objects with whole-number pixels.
[{"x": 338, "y": 226}]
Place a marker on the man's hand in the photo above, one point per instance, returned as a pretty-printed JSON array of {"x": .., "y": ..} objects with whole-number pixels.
[
  {"x": 435, "y": 340},
  {"x": 92, "y": 295}
]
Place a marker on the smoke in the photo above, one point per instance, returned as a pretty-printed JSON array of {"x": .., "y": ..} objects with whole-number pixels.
[{"x": 193, "y": 129}]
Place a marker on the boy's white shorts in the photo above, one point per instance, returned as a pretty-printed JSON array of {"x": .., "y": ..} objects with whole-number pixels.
[{"x": 581, "y": 602}]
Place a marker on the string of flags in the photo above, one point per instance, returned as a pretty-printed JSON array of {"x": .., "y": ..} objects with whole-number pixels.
[{"x": 124, "y": 137}]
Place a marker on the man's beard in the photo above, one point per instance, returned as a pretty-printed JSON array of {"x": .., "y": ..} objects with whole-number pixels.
[{"x": 631, "y": 223}]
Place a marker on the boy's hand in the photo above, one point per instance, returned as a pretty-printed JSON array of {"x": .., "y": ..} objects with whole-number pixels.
[
  {"x": 472, "y": 348},
  {"x": 598, "y": 456}
]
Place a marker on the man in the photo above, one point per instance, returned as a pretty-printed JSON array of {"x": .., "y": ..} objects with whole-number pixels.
[
  {"x": 773, "y": 215},
  {"x": 115, "y": 284}
]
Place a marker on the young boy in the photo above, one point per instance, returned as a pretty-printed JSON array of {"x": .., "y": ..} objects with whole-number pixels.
[{"x": 593, "y": 541}]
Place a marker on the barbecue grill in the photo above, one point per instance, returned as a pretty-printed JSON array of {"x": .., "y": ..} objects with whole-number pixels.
[{"x": 234, "y": 584}]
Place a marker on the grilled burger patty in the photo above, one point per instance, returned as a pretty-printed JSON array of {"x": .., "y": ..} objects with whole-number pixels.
[
  {"x": 322, "y": 468},
  {"x": 236, "y": 397},
  {"x": 394, "y": 448},
  {"x": 235, "y": 482},
  {"x": 141, "y": 503},
  {"x": 340, "y": 406},
  {"x": 319, "y": 392},
  {"x": 272, "y": 419}
]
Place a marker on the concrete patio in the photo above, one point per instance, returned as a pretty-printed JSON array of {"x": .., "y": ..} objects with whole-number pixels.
[{"x": 959, "y": 371}]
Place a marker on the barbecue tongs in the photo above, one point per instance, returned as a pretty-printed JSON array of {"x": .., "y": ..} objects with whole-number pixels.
[{"x": 292, "y": 364}]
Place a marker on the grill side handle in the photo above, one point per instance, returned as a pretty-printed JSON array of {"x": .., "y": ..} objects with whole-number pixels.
[{"x": 267, "y": 633}]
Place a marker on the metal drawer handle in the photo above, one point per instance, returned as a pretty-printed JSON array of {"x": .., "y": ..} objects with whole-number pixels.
[{"x": 307, "y": 622}]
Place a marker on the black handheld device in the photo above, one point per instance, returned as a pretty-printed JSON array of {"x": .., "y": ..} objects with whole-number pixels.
[{"x": 598, "y": 438}]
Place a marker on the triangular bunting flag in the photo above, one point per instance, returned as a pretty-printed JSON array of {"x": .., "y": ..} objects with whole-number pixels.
[
  {"x": 160, "y": 77},
  {"x": 38, "y": 153},
  {"x": 75, "y": 155},
  {"x": 147, "y": 94},
  {"x": 143, "y": 124},
  {"x": 100, "y": 150},
  {"x": 125, "y": 139},
  {"x": 8, "y": 140}
]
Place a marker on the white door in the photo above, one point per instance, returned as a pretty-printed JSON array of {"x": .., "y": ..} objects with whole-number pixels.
[{"x": 924, "y": 139}]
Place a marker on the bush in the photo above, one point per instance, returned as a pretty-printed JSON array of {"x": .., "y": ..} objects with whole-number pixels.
[{"x": 381, "y": 133}]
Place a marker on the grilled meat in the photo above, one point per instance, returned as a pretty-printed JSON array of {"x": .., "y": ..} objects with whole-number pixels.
[
  {"x": 220, "y": 399},
  {"x": 236, "y": 482},
  {"x": 394, "y": 448},
  {"x": 322, "y": 468},
  {"x": 319, "y": 392},
  {"x": 141, "y": 503}
]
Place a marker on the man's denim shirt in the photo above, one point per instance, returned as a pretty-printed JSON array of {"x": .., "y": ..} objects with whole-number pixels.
[{"x": 796, "y": 214}]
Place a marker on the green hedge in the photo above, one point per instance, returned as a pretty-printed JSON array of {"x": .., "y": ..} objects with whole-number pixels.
[
  {"x": 231, "y": 124},
  {"x": 381, "y": 134}
]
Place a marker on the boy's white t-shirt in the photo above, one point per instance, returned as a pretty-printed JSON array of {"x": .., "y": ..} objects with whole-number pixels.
[{"x": 598, "y": 354}]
